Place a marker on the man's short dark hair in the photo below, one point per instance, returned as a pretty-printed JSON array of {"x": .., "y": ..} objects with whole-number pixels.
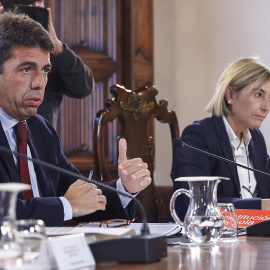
[{"x": 19, "y": 29}]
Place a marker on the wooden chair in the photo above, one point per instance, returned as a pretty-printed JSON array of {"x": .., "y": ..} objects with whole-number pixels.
[{"x": 134, "y": 109}]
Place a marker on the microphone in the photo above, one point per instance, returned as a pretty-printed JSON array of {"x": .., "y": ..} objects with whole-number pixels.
[
  {"x": 258, "y": 229},
  {"x": 142, "y": 248},
  {"x": 180, "y": 143}
]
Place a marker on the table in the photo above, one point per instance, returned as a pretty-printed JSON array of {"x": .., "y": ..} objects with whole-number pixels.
[{"x": 248, "y": 253}]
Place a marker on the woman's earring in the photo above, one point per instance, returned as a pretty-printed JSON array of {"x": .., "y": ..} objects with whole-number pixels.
[{"x": 229, "y": 101}]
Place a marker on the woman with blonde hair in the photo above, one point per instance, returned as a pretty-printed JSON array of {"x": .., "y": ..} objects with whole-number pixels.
[{"x": 239, "y": 106}]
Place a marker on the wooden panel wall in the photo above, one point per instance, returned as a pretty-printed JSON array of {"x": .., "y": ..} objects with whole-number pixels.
[
  {"x": 138, "y": 43},
  {"x": 115, "y": 39}
]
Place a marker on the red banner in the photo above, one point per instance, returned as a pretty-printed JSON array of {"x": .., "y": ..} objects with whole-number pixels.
[{"x": 248, "y": 217}]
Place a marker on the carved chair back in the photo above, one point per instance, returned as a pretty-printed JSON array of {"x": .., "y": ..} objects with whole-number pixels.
[{"x": 134, "y": 109}]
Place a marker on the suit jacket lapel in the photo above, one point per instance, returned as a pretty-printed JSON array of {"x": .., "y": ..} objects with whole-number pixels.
[
  {"x": 226, "y": 149},
  {"x": 10, "y": 171},
  {"x": 44, "y": 184},
  {"x": 262, "y": 180}
]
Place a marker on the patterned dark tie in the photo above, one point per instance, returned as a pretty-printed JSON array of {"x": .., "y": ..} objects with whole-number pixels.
[{"x": 21, "y": 134}]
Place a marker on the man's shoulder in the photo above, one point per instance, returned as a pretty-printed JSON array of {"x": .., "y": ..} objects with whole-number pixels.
[
  {"x": 42, "y": 132},
  {"x": 36, "y": 120},
  {"x": 39, "y": 122}
]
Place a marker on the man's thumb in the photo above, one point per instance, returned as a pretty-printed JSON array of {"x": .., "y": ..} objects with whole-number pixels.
[{"x": 122, "y": 151}]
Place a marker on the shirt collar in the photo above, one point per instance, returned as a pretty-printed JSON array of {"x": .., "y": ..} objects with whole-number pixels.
[
  {"x": 6, "y": 120},
  {"x": 234, "y": 141}
]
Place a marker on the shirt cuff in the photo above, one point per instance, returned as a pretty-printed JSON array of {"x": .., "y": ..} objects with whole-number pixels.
[
  {"x": 67, "y": 209},
  {"x": 124, "y": 199}
]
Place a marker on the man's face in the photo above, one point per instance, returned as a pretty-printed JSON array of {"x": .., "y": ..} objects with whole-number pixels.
[
  {"x": 39, "y": 3},
  {"x": 22, "y": 84}
]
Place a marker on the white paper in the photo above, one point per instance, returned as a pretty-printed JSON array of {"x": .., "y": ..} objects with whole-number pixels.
[
  {"x": 167, "y": 229},
  {"x": 200, "y": 178},
  {"x": 87, "y": 229}
]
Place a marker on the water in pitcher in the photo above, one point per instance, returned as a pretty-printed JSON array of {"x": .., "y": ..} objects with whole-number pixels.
[{"x": 202, "y": 229}]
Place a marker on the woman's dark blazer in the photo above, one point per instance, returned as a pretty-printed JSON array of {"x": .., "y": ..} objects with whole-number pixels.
[{"x": 210, "y": 135}]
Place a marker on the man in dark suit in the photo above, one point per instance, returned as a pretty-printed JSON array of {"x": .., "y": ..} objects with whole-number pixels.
[
  {"x": 24, "y": 66},
  {"x": 69, "y": 75}
]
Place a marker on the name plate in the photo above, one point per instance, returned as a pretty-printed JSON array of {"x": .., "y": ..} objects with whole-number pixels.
[
  {"x": 71, "y": 252},
  {"x": 248, "y": 217}
]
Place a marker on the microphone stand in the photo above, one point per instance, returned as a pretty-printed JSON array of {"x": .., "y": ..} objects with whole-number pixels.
[{"x": 179, "y": 142}]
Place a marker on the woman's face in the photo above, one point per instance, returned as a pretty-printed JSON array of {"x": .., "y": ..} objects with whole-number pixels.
[{"x": 249, "y": 107}]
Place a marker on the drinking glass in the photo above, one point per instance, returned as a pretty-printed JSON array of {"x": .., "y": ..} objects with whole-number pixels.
[
  {"x": 230, "y": 226},
  {"x": 10, "y": 248},
  {"x": 33, "y": 239}
]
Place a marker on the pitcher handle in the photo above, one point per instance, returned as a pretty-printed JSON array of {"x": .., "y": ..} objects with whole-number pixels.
[{"x": 172, "y": 204}]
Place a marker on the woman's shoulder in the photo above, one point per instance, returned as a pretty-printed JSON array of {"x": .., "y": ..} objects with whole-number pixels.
[
  {"x": 256, "y": 132},
  {"x": 257, "y": 137},
  {"x": 203, "y": 132},
  {"x": 206, "y": 124}
]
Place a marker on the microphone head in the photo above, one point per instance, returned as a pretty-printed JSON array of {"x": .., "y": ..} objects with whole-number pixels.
[{"x": 178, "y": 143}]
